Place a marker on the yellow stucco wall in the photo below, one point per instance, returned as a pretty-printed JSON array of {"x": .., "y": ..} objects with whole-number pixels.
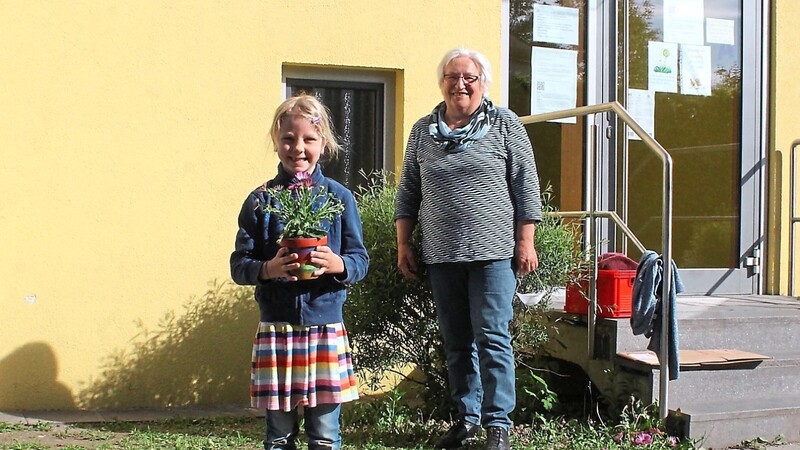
[
  {"x": 785, "y": 128},
  {"x": 130, "y": 134}
]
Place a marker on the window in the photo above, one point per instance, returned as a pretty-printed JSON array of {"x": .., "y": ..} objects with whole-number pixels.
[{"x": 357, "y": 112}]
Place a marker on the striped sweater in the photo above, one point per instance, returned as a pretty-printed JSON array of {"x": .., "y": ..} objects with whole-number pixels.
[{"x": 467, "y": 202}]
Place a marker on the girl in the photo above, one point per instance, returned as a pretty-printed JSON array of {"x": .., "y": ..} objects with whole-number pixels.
[{"x": 301, "y": 354}]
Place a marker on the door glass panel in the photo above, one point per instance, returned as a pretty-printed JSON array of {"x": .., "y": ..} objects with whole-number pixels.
[
  {"x": 701, "y": 132},
  {"x": 559, "y": 147}
]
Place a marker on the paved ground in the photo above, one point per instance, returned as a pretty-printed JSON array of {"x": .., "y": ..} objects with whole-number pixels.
[
  {"x": 78, "y": 428},
  {"x": 128, "y": 415},
  {"x": 139, "y": 415}
]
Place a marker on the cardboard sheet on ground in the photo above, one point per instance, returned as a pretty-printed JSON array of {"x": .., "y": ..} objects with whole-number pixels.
[{"x": 699, "y": 358}]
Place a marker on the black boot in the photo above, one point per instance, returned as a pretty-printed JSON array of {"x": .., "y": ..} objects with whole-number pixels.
[
  {"x": 458, "y": 435},
  {"x": 497, "y": 439}
]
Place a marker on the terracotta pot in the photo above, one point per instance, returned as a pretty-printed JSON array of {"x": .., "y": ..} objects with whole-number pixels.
[{"x": 303, "y": 246}]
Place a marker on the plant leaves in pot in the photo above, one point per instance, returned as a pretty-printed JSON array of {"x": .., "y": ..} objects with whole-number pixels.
[{"x": 303, "y": 209}]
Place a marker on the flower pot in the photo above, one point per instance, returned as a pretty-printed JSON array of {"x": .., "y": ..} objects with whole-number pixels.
[{"x": 303, "y": 246}]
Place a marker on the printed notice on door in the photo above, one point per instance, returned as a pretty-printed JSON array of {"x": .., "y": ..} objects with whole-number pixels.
[
  {"x": 642, "y": 107},
  {"x": 695, "y": 70},
  {"x": 555, "y": 24},
  {"x": 554, "y": 81},
  {"x": 683, "y": 21},
  {"x": 662, "y": 66},
  {"x": 720, "y": 31}
]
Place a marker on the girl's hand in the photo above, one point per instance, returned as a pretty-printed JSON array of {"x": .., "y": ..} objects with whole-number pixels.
[
  {"x": 280, "y": 265},
  {"x": 327, "y": 261}
]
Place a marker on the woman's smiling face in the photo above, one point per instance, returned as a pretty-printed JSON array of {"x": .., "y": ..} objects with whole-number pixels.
[
  {"x": 461, "y": 96},
  {"x": 300, "y": 145}
]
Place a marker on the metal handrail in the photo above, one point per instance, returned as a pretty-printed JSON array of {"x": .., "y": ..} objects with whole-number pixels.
[
  {"x": 794, "y": 219},
  {"x": 666, "y": 236},
  {"x": 607, "y": 215}
]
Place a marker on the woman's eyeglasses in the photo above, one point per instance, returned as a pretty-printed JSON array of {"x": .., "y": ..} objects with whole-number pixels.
[{"x": 452, "y": 78}]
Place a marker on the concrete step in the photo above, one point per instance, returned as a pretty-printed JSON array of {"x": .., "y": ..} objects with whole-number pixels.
[
  {"x": 751, "y": 323},
  {"x": 726, "y": 423},
  {"x": 725, "y": 405},
  {"x": 758, "y": 335},
  {"x": 737, "y": 383},
  {"x": 710, "y": 322}
]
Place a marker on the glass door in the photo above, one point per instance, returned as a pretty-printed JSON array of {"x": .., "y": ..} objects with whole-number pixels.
[
  {"x": 693, "y": 82},
  {"x": 537, "y": 43},
  {"x": 689, "y": 71}
]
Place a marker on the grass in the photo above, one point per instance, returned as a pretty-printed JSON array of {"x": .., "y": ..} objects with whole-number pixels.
[
  {"x": 383, "y": 424},
  {"x": 388, "y": 423},
  {"x": 245, "y": 434}
]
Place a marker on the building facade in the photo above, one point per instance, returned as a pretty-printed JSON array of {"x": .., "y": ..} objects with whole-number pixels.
[{"x": 131, "y": 133}]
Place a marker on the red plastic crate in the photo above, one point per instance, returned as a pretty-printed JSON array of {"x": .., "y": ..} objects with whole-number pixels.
[{"x": 614, "y": 292}]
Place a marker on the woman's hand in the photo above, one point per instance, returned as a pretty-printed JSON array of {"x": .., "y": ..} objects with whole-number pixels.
[
  {"x": 406, "y": 261},
  {"x": 526, "y": 258},
  {"x": 280, "y": 265},
  {"x": 327, "y": 261}
]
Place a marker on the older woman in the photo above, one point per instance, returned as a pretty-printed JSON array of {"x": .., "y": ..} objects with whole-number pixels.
[{"x": 469, "y": 178}]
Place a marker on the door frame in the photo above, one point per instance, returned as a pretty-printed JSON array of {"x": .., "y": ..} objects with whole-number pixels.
[{"x": 602, "y": 60}]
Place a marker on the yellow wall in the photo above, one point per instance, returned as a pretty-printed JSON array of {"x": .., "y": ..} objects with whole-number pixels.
[
  {"x": 785, "y": 128},
  {"x": 130, "y": 134}
]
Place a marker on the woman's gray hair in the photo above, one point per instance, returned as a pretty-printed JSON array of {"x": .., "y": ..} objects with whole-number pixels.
[{"x": 478, "y": 58}]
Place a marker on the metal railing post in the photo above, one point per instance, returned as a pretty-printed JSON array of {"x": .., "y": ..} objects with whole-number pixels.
[
  {"x": 794, "y": 219},
  {"x": 593, "y": 237},
  {"x": 666, "y": 257},
  {"x": 666, "y": 236}
]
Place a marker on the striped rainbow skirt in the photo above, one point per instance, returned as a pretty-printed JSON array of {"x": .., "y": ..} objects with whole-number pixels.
[{"x": 296, "y": 365}]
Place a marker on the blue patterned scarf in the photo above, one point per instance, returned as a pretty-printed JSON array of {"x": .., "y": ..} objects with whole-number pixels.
[{"x": 459, "y": 139}]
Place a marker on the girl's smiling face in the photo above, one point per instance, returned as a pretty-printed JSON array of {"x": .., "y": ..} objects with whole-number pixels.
[{"x": 300, "y": 145}]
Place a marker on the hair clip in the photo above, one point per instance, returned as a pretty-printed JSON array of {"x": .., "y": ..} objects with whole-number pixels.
[{"x": 315, "y": 120}]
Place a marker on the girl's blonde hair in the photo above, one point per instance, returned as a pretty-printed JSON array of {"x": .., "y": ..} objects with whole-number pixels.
[{"x": 307, "y": 106}]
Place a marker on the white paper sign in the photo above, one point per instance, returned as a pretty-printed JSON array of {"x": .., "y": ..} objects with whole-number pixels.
[
  {"x": 695, "y": 70},
  {"x": 662, "y": 66},
  {"x": 555, "y": 24},
  {"x": 720, "y": 31},
  {"x": 554, "y": 81},
  {"x": 642, "y": 107},
  {"x": 683, "y": 21}
]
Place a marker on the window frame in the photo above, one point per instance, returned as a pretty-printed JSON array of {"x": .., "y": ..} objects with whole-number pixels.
[{"x": 341, "y": 76}]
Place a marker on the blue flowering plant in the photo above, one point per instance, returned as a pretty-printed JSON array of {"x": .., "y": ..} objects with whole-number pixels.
[{"x": 303, "y": 207}]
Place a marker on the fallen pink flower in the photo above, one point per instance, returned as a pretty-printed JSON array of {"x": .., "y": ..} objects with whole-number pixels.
[{"x": 643, "y": 439}]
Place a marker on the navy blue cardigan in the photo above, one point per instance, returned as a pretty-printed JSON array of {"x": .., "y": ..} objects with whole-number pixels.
[{"x": 311, "y": 302}]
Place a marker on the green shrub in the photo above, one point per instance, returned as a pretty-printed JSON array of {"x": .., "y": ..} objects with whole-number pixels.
[
  {"x": 562, "y": 261},
  {"x": 392, "y": 320},
  {"x": 558, "y": 245}
]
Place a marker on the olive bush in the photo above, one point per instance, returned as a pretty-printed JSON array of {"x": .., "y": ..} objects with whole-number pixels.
[{"x": 392, "y": 320}]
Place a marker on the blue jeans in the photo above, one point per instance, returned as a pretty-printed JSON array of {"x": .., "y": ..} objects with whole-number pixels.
[
  {"x": 321, "y": 423},
  {"x": 473, "y": 304}
]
